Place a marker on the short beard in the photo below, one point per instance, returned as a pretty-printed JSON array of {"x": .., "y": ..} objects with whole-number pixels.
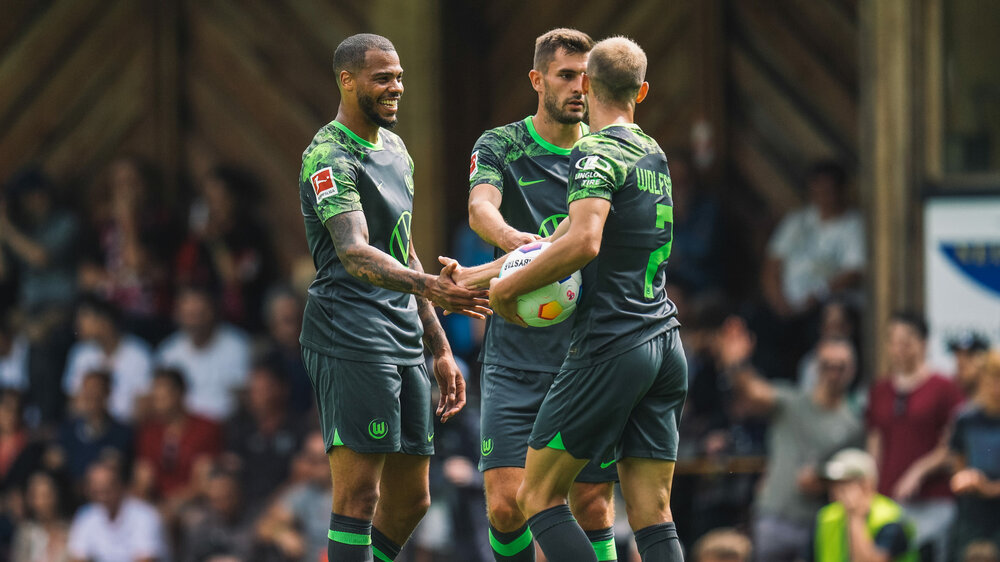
[
  {"x": 554, "y": 111},
  {"x": 367, "y": 104}
]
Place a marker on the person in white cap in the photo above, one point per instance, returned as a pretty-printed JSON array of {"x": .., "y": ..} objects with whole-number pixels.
[{"x": 860, "y": 525}]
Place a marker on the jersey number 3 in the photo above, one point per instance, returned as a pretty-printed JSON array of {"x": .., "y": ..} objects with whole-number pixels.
[{"x": 664, "y": 219}]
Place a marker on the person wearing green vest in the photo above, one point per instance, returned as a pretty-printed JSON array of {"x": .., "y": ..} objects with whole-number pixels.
[{"x": 860, "y": 525}]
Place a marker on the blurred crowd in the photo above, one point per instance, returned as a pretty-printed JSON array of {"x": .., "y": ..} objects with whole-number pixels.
[{"x": 153, "y": 402}]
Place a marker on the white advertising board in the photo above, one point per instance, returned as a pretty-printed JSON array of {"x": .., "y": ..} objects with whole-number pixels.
[{"x": 961, "y": 271}]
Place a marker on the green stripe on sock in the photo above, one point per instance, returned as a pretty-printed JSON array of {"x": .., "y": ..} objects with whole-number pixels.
[
  {"x": 356, "y": 539},
  {"x": 514, "y": 546},
  {"x": 605, "y": 550},
  {"x": 380, "y": 555}
]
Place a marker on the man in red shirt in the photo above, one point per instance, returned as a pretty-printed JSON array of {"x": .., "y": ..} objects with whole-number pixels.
[
  {"x": 910, "y": 411},
  {"x": 173, "y": 442}
]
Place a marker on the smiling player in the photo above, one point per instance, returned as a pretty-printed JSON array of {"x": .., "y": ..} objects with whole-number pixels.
[
  {"x": 518, "y": 178},
  {"x": 362, "y": 327}
]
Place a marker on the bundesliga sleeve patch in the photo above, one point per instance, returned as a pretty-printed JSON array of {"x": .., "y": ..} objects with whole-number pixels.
[
  {"x": 474, "y": 164},
  {"x": 323, "y": 183}
]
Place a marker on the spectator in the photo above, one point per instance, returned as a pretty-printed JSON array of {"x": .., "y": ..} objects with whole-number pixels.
[
  {"x": 696, "y": 261},
  {"x": 13, "y": 357},
  {"x": 42, "y": 240},
  {"x": 283, "y": 314},
  {"x": 909, "y": 411},
  {"x": 102, "y": 346},
  {"x": 838, "y": 320},
  {"x": 264, "y": 437},
  {"x": 173, "y": 442},
  {"x": 815, "y": 252},
  {"x": 126, "y": 263},
  {"x": 970, "y": 351},
  {"x": 975, "y": 445},
  {"x": 20, "y": 456},
  {"x": 806, "y": 428},
  {"x": 42, "y": 535},
  {"x": 91, "y": 433},
  {"x": 115, "y": 527},
  {"x": 213, "y": 357},
  {"x": 860, "y": 524},
  {"x": 222, "y": 530},
  {"x": 722, "y": 545},
  {"x": 227, "y": 247},
  {"x": 296, "y": 525}
]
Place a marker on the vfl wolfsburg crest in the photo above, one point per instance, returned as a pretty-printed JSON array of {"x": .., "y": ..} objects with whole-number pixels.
[
  {"x": 378, "y": 428},
  {"x": 399, "y": 244},
  {"x": 549, "y": 225},
  {"x": 487, "y": 447}
]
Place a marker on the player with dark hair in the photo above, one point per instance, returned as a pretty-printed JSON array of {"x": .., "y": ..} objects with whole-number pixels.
[
  {"x": 362, "y": 326},
  {"x": 619, "y": 394},
  {"x": 518, "y": 180}
]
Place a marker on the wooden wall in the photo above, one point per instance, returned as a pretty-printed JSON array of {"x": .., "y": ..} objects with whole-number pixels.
[{"x": 193, "y": 83}]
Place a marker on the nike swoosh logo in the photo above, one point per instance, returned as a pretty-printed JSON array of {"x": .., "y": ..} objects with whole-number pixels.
[
  {"x": 607, "y": 464},
  {"x": 430, "y": 437},
  {"x": 522, "y": 183}
]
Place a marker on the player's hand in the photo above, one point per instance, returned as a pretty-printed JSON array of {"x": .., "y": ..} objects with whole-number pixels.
[
  {"x": 514, "y": 239},
  {"x": 503, "y": 304},
  {"x": 451, "y": 386},
  {"x": 444, "y": 292}
]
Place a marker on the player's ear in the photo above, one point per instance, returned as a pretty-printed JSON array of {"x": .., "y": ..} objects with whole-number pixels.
[
  {"x": 536, "y": 80},
  {"x": 586, "y": 83},
  {"x": 643, "y": 90},
  {"x": 346, "y": 81}
]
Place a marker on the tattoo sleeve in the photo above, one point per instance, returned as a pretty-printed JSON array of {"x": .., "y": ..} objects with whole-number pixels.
[
  {"x": 350, "y": 237},
  {"x": 434, "y": 336}
]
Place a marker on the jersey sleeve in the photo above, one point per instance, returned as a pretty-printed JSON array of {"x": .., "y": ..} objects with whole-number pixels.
[
  {"x": 596, "y": 169},
  {"x": 328, "y": 181},
  {"x": 486, "y": 164}
]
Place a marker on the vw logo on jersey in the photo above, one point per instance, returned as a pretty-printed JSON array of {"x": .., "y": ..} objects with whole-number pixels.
[{"x": 399, "y": 243}]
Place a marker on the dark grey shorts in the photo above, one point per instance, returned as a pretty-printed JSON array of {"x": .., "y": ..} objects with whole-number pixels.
[
  {"x": 627, "y": 406},
  {"x": 372, "y": 407},
  {"x": 510, "y": 402}
]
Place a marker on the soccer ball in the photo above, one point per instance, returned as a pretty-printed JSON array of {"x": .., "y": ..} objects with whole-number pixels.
[{"x": 547, "y": 305}]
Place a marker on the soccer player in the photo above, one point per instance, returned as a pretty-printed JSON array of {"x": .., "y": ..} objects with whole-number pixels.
[
  {"x": 518, "y": 178},
  {"x": 619, "y": 394},
  {"x": 362, "y": 326}
]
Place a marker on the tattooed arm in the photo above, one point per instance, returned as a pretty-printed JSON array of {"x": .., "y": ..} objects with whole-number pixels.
[
  {"x": 350, "y": 238},
  {"x": 451, "y": 384}
]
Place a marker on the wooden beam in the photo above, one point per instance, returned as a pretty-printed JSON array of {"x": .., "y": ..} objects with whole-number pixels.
[
  {"x": 887, "y": 159},
  {"x": 167, "y": 83}
]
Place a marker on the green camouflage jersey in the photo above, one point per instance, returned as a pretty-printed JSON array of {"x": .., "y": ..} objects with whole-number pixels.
[
  {"x": 346, "y": 317},
  {"x": 623, "y": 299},
  {"x": 531, "y": 174}
]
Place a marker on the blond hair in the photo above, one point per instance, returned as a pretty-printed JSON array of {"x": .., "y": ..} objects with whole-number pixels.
[
  {"x": 725, "y": 544},
  {"x": 617, "y": 69}
]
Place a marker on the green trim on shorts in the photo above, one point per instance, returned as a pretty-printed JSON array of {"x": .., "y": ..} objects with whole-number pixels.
[
  {"x": 557, "y": 443},
  {"x": 379, "y": 555},
  {"x": 513, "y": 547},
  {"x": 605, "y": 550},
  {"x": 336, "y": 438},
  {"x": 356, "y": 539}
]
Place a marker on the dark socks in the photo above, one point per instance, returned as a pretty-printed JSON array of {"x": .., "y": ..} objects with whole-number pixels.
[
  {"x": 658, "y": 543},
  {"x": 383, "y": 548},
  {"x": 350, "y": 539},
  {"x": 561, "y": 539},
  {"x": 514, "y": 546},
  {"x": 603, "y": 541}
]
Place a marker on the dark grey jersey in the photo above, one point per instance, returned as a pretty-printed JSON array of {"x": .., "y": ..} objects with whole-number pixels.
[
  {"x": 531, "y": 175},
  {"x": 623, "y": 300},
  {"x": 346, "y": 317}
]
